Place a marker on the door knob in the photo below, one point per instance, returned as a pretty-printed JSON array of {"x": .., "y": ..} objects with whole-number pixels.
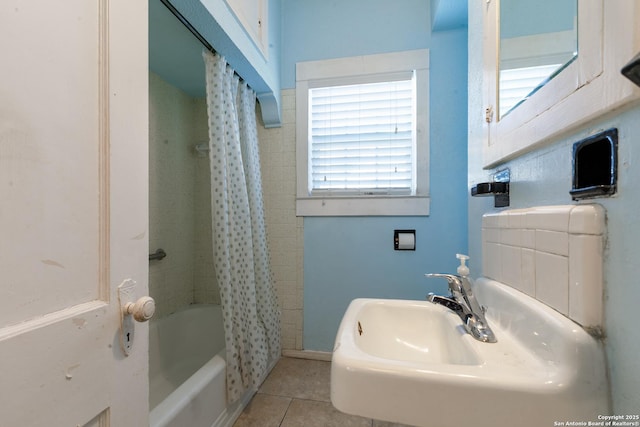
[{"x": 142, "y": 310}]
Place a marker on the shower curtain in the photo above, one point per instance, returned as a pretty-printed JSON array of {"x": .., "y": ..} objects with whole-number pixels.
[{"x": 241, "y": 260}]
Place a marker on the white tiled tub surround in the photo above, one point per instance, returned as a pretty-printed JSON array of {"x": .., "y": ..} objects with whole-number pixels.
[{"x": 552, "y": 253}]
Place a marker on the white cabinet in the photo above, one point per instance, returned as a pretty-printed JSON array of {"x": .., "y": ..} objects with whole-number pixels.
[
  {"x": 253, "y": 15},
  {"x": 589, "y": 86}
]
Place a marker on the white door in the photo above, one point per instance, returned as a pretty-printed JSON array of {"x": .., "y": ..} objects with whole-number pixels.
[{"x": 73, "y": 210}]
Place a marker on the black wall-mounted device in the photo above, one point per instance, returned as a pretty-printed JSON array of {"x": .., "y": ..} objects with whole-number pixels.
[
  {"x": 498, "y": 188},
  {"x": 595, "y": 166},
  {"x": 632, "y": 70}
]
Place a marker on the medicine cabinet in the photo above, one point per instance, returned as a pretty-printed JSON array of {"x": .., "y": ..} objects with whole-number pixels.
[
  {"x": 253, "y": 14},
  {"x": 586, "y": 84}
]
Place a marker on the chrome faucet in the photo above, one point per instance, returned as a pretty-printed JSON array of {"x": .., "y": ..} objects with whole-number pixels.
[{"x": 463, "y": 303}]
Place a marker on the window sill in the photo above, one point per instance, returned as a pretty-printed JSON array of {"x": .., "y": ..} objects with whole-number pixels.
[{"x": 363, "y": 206}]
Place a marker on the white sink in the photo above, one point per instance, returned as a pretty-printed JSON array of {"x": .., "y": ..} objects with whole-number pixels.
[
  {"x": 411, "y": 331},
  {"x": 412, "y": 362}
]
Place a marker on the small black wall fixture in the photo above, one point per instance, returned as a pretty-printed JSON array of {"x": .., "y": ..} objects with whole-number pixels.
[
  {"x": 595, "y": 166},
  {"x": 632, "y": 70},
  {"x": 498, "y": 188}
]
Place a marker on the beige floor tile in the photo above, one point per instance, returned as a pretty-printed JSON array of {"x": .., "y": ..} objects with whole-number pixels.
[
  {"x": 311, "y": 413},
  {"x": 264, "y": 411},
  {"x": 299, "y": 378},
  {"x": 296, "y": 394}
]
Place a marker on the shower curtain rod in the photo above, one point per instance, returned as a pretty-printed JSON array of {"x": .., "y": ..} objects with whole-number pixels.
[
  {"x": 192, "y": 29},
  {"x": 187, "y": 24}
]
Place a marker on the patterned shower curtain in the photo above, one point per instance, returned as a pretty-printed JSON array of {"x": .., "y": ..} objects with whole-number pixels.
[{"x": 241, "y": 260}]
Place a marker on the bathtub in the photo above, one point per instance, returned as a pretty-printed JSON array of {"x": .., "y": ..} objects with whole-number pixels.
[{"x": 187, "y": 377}]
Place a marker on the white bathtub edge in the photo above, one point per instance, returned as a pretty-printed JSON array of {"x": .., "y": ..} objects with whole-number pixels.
[{"x": 171, "y": 406}]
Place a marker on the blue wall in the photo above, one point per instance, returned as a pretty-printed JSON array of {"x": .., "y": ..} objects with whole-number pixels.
[
  {"x": 322, "y": 29},
  {"x": 346, "y": 257}
]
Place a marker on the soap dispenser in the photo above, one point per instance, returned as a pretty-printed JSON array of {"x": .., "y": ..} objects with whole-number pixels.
[{"x": 463, "y": 270}]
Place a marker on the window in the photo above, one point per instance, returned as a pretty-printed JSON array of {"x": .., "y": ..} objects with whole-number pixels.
[
  {"x": 362, "y": 135},
  {"x": 361, "y": 138}
]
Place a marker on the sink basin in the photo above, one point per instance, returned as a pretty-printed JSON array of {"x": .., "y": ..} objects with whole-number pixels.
[
  {"x": 412, "y": 362},
  {"x": 411, "y": 331}
]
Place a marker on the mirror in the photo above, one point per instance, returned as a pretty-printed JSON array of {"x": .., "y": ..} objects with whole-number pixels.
[
  {"x": 579, "y": 91},
  {"x": 537, "y": 41}
]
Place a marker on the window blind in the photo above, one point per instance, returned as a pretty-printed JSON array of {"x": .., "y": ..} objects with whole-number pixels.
[
  {"x": 518, "y": 83},
  {"x": 362, "y": 138}
]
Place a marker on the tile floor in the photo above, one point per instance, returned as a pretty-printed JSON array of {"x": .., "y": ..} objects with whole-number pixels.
[{"x": 296, "y": 394}]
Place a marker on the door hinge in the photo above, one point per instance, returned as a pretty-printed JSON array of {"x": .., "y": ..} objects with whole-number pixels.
[{"x": 488, "y": 114}]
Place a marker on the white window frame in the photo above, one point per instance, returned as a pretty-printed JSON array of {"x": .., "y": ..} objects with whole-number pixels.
[{"x": 355, "y": 70}]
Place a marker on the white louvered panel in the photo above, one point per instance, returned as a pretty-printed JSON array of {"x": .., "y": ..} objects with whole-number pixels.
[{"x": 362, "y": 138}]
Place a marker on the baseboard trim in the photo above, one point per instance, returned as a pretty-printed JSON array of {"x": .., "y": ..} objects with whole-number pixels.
[{"x": 308, "y": 354}]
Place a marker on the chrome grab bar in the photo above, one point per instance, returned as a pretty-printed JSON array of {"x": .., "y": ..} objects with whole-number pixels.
[{"x": 157, "y": 255}]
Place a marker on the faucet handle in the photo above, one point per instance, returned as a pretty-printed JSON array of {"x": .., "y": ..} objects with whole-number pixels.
[
  {"x": 444, "y": 276},
  {"x": 454, "y": 281}
]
